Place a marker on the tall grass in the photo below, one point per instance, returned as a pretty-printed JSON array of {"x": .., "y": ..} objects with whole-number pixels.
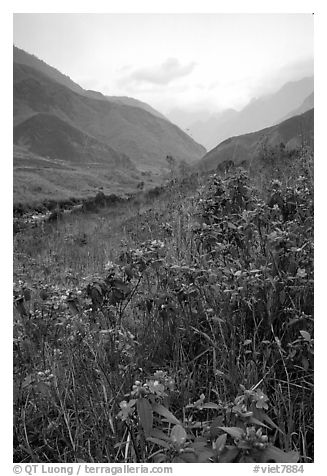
[{"x": 213, "y": 288}]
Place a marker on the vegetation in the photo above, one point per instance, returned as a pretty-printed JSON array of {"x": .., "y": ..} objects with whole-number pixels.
[{"x": 173, "y": 329}]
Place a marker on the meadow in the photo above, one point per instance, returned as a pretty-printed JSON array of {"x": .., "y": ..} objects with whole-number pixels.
[{"x": 175, "y": 327}]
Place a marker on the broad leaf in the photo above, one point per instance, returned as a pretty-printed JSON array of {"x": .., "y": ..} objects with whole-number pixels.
[
  {"x": 204, "y": 455},
  {"x": 209, "y": 405},
  {"x": 158, "y": 442},
  {"x": 255, "y": 421},
  {"x": 144, "y": 411},
  {"x": 188, "y": 457},
  {"x": 164, "y": 412},
  {"x": 229, "y": 455},
  {"x": 233, "y": 431},
  {"x": 275, "y": 455},
  {"x": 160, "y": 458},
  {"x": 178, "y": 435},
  {"x": 220, "y": 442},
  {"x": 156, "y": 433},
  {"x": 306, "y": 336}
]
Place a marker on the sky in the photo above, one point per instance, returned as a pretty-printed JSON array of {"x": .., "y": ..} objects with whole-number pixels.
[{"x": 192, "y": 62}]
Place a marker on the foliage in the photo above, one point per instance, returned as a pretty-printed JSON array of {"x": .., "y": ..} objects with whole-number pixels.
[{"x": 215, "y": 290}]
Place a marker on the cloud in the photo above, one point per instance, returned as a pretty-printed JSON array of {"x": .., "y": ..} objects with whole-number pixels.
[
  {"x": 162, "y": 74},
  {"x": 292, "y": 71}
]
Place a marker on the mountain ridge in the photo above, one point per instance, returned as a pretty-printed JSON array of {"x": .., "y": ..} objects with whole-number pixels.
[
  {"x": 145, "y": 138},
  {"x": 260, "y": 112},
  {"x": 22, "y": 57},
  {"x": 292, "y": 133},
  {"x": 91, "y": 141}
]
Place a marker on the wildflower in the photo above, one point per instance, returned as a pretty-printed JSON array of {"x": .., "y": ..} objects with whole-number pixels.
[
  {"x": 301, "y": 273},
  {"x": 126, "y": 409},
  {"x": 260, "y": 399},
  {"x": 109, "y": 265}
]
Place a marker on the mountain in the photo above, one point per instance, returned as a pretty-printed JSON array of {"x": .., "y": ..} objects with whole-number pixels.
[
  {"x": 55, "y": 119},
  {"x": 243, "y": 149},
  {"x": 184, "y": 118},
  {"x": 135, "y": 103},
  {"x": 133, "y": 131},
  {"x": 214, "y": 128},
  {"x": 21, "y": 57},
  {"x": 307, "y": 104},
  {"x": 49, "y": 136},
  {"x": 259, "y": 113}
]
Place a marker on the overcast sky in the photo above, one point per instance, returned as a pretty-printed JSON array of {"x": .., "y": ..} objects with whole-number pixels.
[{"x": 189, "y": 61}]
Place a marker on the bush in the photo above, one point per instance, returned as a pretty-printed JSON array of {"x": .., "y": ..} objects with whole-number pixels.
[{"x": 221, "y": 301}]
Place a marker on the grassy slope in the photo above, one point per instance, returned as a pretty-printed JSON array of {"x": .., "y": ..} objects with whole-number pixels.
[
  {"x": 146, "y": 139},
  {"x": 248, "y": 147},
  {"x": 22, "y": 57},
  {"x": 37, "y": 179},
  {"x": 209, "y": 317},
  {"x": 82, "y": 135}
]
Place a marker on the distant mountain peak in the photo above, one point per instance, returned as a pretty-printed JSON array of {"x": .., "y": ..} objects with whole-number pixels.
[{"x": 260, "y": 112}]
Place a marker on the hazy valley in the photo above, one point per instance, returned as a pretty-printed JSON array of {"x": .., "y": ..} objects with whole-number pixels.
[{"x": 163, "y": 280}]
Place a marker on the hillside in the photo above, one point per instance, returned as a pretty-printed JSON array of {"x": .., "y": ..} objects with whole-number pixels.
[
  {"x": 127, "y": 314},
  {"x": 38, "y": 179},
  {"x": 49, "y": 136},
  {"x": 118, "y": 143},
  {"x": 293, "y": 133},
  {"x": 22, "y": 57},
  {"x": 307, "y": 104},
  {"x": 145, "y": 138},
  {"x": 259, "y": 113},
  {"x": 135, "y": 103},
  {"x": 54, "y": 160}
]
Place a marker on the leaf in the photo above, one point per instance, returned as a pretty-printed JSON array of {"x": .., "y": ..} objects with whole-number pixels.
[
  {"x": 305, "y": 363},
  {"x": 98, "y": 288},
  {"x": 156, "y": 433},
  {"x": 199, "y": 443},
  {"x": 229, "y": 455},
  {"x": 28, "y": 380},
  {"x": 275, "y": 455},
  {"x": 255, "y": 421},
  {"x": 164, "y": 412},
  {"x": 188, "y": 457},
  {"x": 233, "y": 431},
  {"x": 263, "y": 416},
  {"x": 220, "y": 442},
  {"x": 214, "y": 427},
  {"x": 144, "y": 411},
  {"x": 209, "y": 405},
  {"x": 160, "y": 458},
  {"x": 178, "y": 459},
  {"x": 43, "y": 388},
  {"x": 204, "y": 455},
  {"x": 247, "y": 342},
  {"x": 156, "y": 264},
  {"x": 178, "y": 435},
  {"x": 306, "y": 336},
  {"x": 232, "y": 226},
  {"x": 158, "y": 442},
  {"x": 301, "y": 273}
]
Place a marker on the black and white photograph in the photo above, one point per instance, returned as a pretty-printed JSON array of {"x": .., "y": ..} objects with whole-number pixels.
[{"x": 163, "y": 241}]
